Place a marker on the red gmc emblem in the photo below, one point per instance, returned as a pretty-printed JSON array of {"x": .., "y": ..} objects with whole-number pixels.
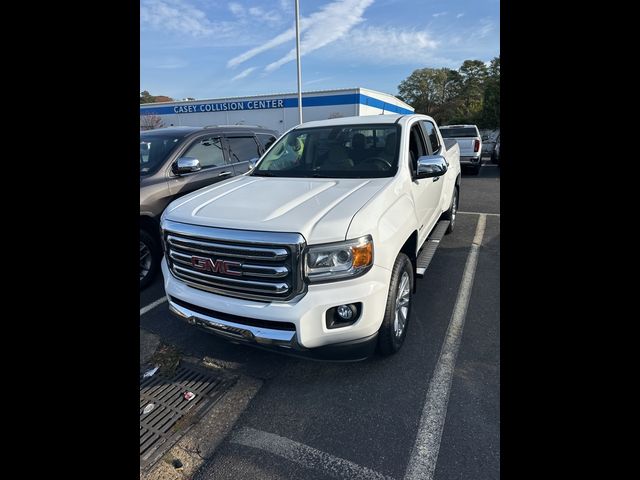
[{"x": 219, "y": 266}]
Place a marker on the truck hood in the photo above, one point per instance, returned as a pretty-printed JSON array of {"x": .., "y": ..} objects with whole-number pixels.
[{"x": 320, "y": 209}]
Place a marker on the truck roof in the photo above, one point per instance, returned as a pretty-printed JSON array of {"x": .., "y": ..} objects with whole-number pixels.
[
  {"x": 359, "y": 120},
  {"x": 185, "y": 130}
]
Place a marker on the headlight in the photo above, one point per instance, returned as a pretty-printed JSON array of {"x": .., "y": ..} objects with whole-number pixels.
[{"x": 334, "y": 261}]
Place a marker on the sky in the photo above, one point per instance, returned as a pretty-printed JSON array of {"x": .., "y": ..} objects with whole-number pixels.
[{"x": 212, "y": 49}]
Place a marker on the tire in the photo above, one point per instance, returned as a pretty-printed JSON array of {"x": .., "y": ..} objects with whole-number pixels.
[
  {"x": 494, "y": 157},
  {"x": 474, "y": 170},
  {"x": 150, "y": 256},
  {"x": 392, "y": 333},
  {"x": 451, "y": 214}
]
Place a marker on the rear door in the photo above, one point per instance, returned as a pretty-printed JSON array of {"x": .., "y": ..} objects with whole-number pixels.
[
  {"x": 242, "y": 148},
  {"x": 208, "y": 149}
]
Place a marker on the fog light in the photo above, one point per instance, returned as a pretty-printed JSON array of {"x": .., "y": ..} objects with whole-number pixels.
[
  {"x": 345, "y": 312},
  {"x": 343, "y": 315}
]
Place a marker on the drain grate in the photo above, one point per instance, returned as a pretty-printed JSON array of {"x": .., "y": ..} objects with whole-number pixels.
[{"x": 172, "y": 416}]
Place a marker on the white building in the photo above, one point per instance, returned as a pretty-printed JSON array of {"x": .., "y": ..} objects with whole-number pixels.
[{"x": 278, "y": 112}]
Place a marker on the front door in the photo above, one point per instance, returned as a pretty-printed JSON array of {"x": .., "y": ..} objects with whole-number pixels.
[
  {"x": 426, "y": 191},
  {"x": 214, "y": 164}
]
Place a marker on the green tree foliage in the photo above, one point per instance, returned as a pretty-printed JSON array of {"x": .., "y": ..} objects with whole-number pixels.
[
  {"x": 490, "y": 115},
  {"x": 146, "y": 97},
  {"x": 470, "y": 94}
]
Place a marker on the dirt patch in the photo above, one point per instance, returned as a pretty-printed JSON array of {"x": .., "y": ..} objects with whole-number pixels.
[{"x": 167, "y": 358}]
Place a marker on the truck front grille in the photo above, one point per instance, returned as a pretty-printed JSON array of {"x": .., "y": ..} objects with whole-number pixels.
[{"x": 237, "y": 263}]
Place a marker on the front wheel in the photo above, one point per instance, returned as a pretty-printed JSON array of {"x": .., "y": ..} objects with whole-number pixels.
[
  {"x": 396, "y": 316},
  {"x": 150, "y": 256}
]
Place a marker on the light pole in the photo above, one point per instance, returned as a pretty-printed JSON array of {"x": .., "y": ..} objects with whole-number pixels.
[{"x": 298, "y": 60}]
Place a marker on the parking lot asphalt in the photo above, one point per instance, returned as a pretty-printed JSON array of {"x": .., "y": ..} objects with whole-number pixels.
[{"x": 361, "y": 420}]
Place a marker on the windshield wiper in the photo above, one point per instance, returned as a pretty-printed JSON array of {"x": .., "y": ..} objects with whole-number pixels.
[{"x": 262, "y": 174}]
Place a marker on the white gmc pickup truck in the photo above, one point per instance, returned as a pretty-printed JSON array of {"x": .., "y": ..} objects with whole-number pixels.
[{"x": 315, "y": 251}]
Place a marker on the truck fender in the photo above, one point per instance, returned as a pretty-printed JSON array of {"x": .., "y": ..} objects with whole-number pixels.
[{"x": 390, "y": 229}]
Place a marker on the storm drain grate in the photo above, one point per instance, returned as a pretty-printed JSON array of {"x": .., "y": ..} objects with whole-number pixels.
[{"x": 172, "y": 415}]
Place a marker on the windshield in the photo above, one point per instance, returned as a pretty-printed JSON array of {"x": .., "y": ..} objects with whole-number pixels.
[
  {"x": 458, "y": 132},
  {"x": 341, "y": 151},
  {"x": 154, "y": 149}
]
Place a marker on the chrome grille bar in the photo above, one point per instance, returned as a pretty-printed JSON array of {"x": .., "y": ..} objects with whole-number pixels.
[
  {"x": 219, "y": 249},
  {"x": 238, "y": 263}
]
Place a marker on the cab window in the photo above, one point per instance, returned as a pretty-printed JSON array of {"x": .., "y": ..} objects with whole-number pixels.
[{"x": 208, "y": 150}]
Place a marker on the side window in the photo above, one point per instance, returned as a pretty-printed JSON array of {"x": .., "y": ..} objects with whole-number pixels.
[
  {"x": 417, "y": 148},
  {"x": 208, "y": 150},
  {"x": 242, "y": 149},
  {"x": 430, "y": 133},
  {"x": 266, "y": 140}
]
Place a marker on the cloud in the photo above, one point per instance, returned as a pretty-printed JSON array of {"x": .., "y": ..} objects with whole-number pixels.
[
  {"x": 249, "y": 15},
  {"x": 269, "y": 17},
  {"x": 243, "y": 74},
  {"x": 236, "y": 9},
  {"x": 171, "y": 63},
  {"x": 317, "y": 80},
  {"x": 388, "y": 45},
  {"x": 319, "y": 29},
  {"x": 439, "y": 14},
  {"x": 286, "y": 5},
  {"x": 326, "y": 26},
  {"x": 175, "y": 15},
  {"x": 274, "y": 42},
  {"x": 486, "y": 26},
  {"x": 460, "y": 15}
]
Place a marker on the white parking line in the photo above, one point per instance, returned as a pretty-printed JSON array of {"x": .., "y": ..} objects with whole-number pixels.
[
  {"x": 304, "y": 455},
  {"x": 152, "y": 305},
  {"x": 422, "y": 462},
  {"x": 480, "y": 213}
]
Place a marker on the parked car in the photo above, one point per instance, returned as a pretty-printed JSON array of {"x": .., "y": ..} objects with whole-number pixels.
[
  {"x": 178, "y": 160},
  {"x": 495, "y": 155},
  {"x": 470, "y": 142},
  {"x": 487, "y": 145},
  {"x": 315, "y": 252}
]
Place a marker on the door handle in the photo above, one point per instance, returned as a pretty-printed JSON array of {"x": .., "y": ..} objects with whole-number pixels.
[{"x": 224, "y": 174}]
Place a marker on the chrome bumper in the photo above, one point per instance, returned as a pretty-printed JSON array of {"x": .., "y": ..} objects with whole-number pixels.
[
  {"x": 235, "y": 331},
  {"x": 469, "y": 160}
]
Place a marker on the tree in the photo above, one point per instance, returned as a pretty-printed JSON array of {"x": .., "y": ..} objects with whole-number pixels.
[
  {"x": 433, "y": 91},
  {"x": 490, "y": 117},
  {"x": 474, "y": 76},
  {"x": 146, "y": 97},
  {"x": 149, "y": 122},
  {"x": 470, "y": 94}
]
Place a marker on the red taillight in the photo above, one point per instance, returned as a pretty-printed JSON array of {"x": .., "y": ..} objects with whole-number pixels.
[{"x": 476, "y": 145}]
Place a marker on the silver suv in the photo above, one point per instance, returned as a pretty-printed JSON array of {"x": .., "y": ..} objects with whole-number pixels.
[{"x": 178, "y": 160}]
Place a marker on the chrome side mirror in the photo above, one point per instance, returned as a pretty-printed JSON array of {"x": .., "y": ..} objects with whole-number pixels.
[
  {"x": 186, "y": 165},
  {"x": 431, "y": 166}
]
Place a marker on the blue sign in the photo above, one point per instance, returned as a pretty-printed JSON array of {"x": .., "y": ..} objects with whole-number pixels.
[
  {"x": 344, "y": 99},
  {"x": 228, "y": 106}
]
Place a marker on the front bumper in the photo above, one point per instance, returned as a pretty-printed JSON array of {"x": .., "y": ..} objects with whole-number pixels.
[{"x": 247, "y": 321}]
